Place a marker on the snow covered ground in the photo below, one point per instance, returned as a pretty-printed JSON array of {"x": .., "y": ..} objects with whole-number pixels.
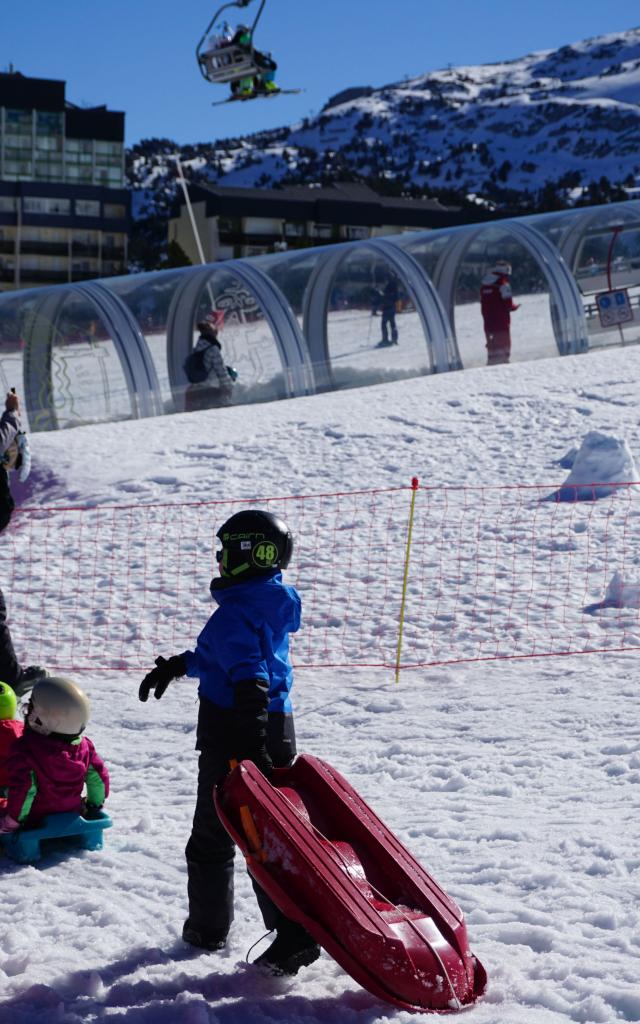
[{"x": 517, "y": 783}]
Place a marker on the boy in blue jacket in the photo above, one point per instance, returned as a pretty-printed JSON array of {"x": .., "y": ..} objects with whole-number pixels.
[{"x": 242, "y": 662}]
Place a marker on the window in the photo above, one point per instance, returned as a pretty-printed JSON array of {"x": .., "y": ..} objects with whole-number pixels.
[
  {"x": 19, "y": 121},
  {"x": 79, "y": 146},
  {"x": 87, "y": 208},
  {"x": 83, "y": 174},
  {"x": 13, "y": 141},
  {"x": 356, "y": 232},
  {"x": 41, "y": 204},
  {"x": 13, "y": 169},
  {"x": 112, "y": 149},
  {"x": 115, "y": 210},
  {"x": 323, "y": 230},
  {"x": 7, "y": 204},
  {"x": 295, "y": 228},
  {"x": 85, "y": 237},
  {"x": 49, "y": 142},
  {"x": 48, "y": 123}
]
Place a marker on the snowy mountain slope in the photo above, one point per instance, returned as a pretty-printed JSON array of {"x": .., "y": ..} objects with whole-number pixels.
[{"x": 568, "y": 117}]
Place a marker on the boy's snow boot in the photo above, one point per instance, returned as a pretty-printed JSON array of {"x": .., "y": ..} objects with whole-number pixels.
[
  {"x": 291, "y": 949},
  {"x": 211, "y": 941}
]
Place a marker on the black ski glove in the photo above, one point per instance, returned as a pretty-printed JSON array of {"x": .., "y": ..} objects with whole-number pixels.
[
  {"x": 249, "y": 724},
  {"x": 92, "y": 812},
  {"x": 159, "y": 678}
]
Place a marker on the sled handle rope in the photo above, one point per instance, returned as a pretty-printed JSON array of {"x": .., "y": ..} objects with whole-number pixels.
[{"x": 381, "y": 896}]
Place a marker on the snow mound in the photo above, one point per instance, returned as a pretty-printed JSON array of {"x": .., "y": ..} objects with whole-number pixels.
[
  {"x": 601, "y": 462},
  {"x": 620, "y": 593}
]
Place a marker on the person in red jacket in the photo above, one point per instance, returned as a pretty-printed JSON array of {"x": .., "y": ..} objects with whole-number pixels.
[
  {"x": 51, "y": 763},
  {"x": 496, "y": 302},
  {"x": 10, "y": 729}
]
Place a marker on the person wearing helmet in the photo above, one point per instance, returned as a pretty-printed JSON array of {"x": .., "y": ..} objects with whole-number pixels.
[
  {"x": 214, "y": 385},
  {"x": 497, "y": 305},
  {"x": 52, "y": 763},
  {"x": 253, "y": 84},
  {"x": 10, "y": 729},
  {"x": 18, "y": 677},
  {"x": 241, "y": 660}
]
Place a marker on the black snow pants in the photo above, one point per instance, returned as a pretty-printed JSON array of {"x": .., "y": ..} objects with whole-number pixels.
[
  {"x": 9, "y": 666},
  {"x": 210, "y": 851}
]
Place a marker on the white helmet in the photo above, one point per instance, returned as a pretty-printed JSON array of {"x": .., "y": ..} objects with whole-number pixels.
[
  {"x": 58, "y": 706},
  {"x": 502, "y": 267}
]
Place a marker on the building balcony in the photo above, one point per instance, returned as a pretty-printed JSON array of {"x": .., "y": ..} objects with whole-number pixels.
[
  {"x": 34, "y": 248},
  {"x": 83, "y": 275},
  {"x": 85, "y": 249},
  {"x": 43, "y": 276}
]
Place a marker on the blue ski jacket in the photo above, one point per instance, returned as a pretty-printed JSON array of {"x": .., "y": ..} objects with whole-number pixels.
[{"x": 247, "y": 637}]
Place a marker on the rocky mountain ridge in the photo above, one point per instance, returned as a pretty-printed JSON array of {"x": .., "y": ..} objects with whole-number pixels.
[{"x": 554, "y": 127}]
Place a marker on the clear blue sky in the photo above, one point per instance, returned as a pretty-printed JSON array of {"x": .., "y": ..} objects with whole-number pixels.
[{"x": 138, "y": 56}]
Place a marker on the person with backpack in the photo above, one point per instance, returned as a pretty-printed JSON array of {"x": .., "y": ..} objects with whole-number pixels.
[{"x": 210, "y": 380}]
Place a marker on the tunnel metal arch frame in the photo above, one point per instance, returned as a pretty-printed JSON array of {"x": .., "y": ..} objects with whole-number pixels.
[
  {"x": 130, "y": 344},
  {"x": 290, "y": 343},
  {"x": 567, "y": 308},
  {"x": 442, "y": 348},
  {"x": 571, "y": 242}
]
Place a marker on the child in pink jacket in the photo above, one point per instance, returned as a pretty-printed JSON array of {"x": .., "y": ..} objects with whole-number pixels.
[
  {"x": 52, "y": 764},
  {"x": 10, "y": 729}
]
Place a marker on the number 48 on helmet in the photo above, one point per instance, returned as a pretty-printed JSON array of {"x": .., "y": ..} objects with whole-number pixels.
[{"x": 253, "y": 543}]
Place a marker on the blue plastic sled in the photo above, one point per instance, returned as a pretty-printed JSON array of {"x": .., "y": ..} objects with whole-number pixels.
[{"x": 24, "y": 845}]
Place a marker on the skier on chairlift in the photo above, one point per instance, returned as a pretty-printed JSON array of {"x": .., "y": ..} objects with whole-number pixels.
[
  {"x": 263, "y": 81},
  {"x": 230, "y": 57}
]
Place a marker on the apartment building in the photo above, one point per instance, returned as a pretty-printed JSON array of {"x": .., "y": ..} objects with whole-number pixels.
[
  {"x": 238, "y": 222},
  {"x": 64, "y": 209}
]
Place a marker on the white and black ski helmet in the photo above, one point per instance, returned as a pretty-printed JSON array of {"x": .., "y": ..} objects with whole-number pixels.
[
  {"x": 58, "y": 707},
  {"x": 254, "y": 542},
  {"x": 502, "y": 267}
]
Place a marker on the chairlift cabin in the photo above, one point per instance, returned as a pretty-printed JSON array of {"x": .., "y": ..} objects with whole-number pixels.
[{"x": 223, "y": 61}]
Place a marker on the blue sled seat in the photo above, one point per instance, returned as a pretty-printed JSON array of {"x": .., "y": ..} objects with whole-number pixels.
[{"x": 24, "y": 845}]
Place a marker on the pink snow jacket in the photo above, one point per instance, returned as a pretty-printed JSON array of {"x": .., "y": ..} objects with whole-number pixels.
[
  {"x": 10, "y": 729},
  {"x": 47, "y": 776}
]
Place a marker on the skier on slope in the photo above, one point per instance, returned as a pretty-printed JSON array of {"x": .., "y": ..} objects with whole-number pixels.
[
  {"x": 497, "y": 305},
  {"x": 242, "y": 663}
]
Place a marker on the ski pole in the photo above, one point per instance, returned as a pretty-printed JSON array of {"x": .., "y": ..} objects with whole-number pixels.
[{"x": 415, "y": 483}]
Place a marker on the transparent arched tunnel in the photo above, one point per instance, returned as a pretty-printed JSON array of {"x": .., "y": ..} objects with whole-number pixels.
[{"x": 301, "y": 322}]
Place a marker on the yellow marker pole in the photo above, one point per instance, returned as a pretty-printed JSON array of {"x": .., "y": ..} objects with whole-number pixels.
[{"x": 415, "y": 483}]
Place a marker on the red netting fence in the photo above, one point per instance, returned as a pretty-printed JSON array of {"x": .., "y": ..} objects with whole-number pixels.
[{"x": 493, "y": 572}]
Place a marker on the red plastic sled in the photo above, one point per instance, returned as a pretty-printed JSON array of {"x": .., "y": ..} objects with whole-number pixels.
[{"x": 329, "y": 863}]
